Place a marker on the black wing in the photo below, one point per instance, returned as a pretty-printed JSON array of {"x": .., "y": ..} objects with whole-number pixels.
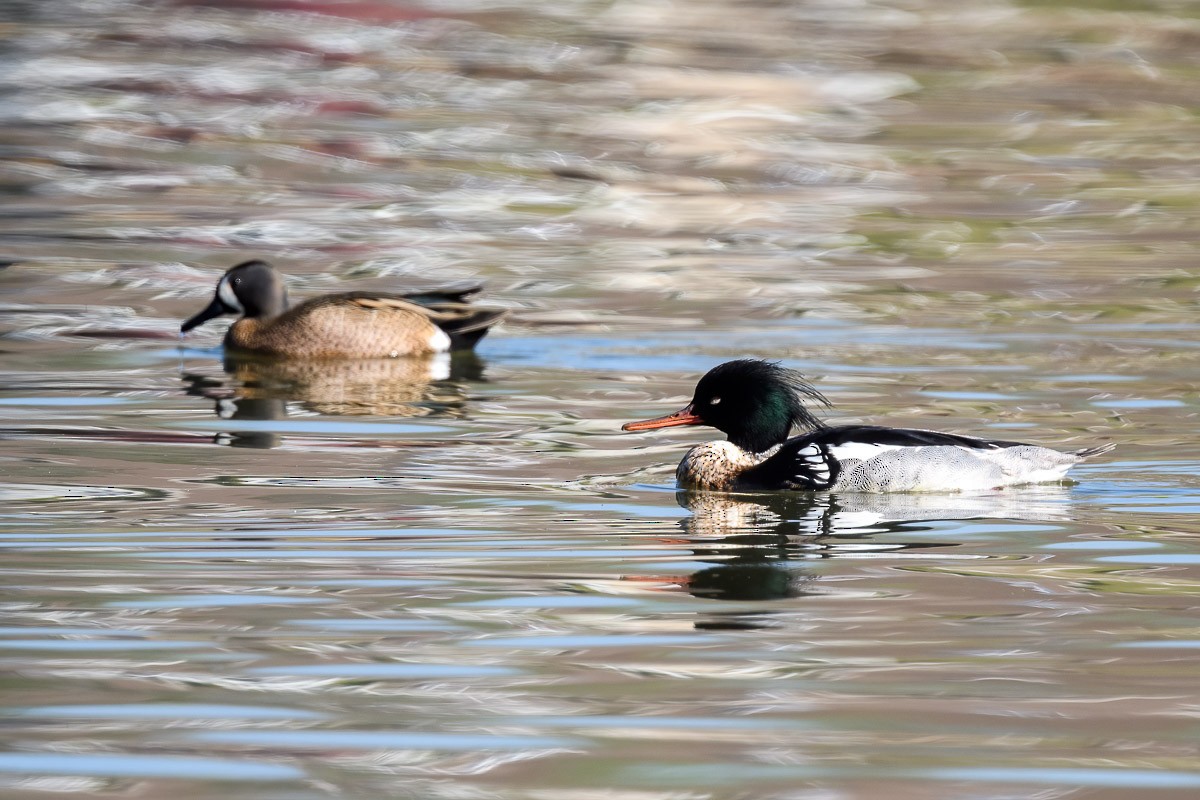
[
  {"x": 902, "y": 437},
  {"x": 461, "y": 292},
  {"x": 799, "y": 464},
  {"x": 453, "y": 295}
]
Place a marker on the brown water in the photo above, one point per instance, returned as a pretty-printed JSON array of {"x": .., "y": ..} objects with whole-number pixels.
[{"x": 355, "y": 581}]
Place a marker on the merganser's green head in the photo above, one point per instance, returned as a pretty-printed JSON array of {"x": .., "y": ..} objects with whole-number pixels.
[{"x": 755, "y": 403}]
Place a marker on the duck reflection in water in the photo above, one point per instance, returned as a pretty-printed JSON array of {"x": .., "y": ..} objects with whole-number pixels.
[
  {"x": 261, "y": 389},
  {"x": 760, "y": 542}
]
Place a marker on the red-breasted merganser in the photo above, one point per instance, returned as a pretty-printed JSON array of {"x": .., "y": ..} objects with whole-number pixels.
[{"x": 757, "y": 403}]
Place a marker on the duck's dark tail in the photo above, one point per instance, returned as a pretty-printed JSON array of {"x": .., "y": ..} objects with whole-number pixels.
[
  {"x": 467, "y": 328},
  {"x": 450, "y": 309},
  {"x": 1098, "y": 450}
]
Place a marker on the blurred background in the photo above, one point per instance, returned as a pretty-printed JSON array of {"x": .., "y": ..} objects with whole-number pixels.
[{"x": 370, "y": 580}]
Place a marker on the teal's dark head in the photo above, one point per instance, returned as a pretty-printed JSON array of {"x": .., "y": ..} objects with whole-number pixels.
[
  {"x": 755, "y": 403},
  {"x": 252, "y": 289}
]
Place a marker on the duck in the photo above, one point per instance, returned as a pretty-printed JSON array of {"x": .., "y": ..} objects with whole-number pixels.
[
  {"x": 347, "y": 325},
  {"x": 757, "y": 403}
]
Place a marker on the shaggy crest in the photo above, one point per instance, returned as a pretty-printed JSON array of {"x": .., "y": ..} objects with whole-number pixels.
[{"x": 756, "y": 403}]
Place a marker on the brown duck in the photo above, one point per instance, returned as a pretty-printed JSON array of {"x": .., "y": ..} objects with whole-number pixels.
[{"x": 348, "y": 325}]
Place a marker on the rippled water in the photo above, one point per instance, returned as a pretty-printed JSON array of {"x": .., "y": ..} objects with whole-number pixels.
[{"x": 291, "y": 581}]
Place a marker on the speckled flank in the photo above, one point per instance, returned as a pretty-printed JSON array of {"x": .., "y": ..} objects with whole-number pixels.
[
  {"x": 330, "y": 327},
  {"x": 950, "y": 469},
  {"x": 715, "y": 465}
]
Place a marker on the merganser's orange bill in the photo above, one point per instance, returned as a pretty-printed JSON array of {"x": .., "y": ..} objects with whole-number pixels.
[{"x": 684, "y": 416}]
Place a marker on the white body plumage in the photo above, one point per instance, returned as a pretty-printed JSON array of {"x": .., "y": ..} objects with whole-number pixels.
[{"x": 867, "y": 467}]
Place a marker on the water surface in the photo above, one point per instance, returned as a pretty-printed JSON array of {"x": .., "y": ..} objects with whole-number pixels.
[{"x": 371, "y": 580}]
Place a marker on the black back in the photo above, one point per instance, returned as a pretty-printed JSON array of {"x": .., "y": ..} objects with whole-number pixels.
[{"x": 902, "y": 437}]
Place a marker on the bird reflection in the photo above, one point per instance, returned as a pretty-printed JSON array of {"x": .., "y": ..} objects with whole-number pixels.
[
  {"x": 759, "y": 543},
  {"x": 251, "y": 408},
  {"x": 260, "y": 390},
  {"x": 815, "y": 513}
]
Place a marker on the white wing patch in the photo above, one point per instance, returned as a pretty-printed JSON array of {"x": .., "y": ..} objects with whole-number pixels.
[
  {"x": 812, "y": 465},
  {"x": 811, "y": 458},
  {"x": 861, "y": 451}
]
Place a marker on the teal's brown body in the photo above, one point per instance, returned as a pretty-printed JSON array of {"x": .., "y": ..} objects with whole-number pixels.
[
  {"x": 343, "y": 326},
  {"x": 350, "y": 325}
]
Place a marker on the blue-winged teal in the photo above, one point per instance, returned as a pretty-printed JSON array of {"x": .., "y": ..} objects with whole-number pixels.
[
  {"x": 756, "y": 403},
  {"x": 349, "y": 325}
]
